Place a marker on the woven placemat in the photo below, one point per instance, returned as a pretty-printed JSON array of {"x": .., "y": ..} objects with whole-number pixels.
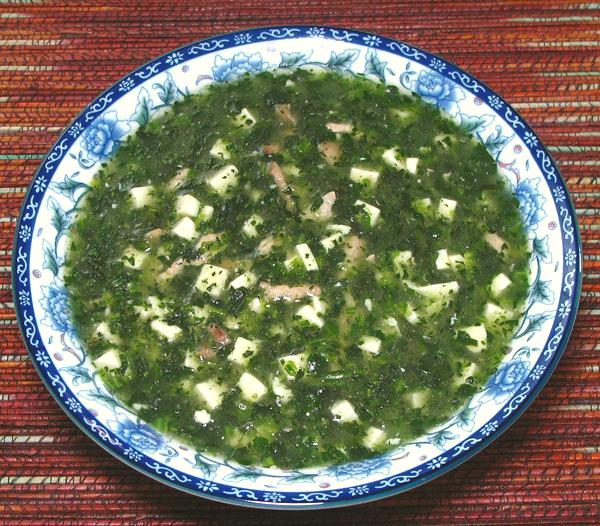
[{"x": 542, "y": 56}]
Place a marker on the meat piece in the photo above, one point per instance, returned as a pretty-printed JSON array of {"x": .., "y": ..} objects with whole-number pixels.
[
  {"x": 270, "y": 149},
  {"x": 179, "y": 178},
  {"x": 339, "y": 127},
  {"x": 284, "y": 112},
  {"x": 219, "y": 335},
  {"x": 153, "y": 235},
  {"x": 287, "y": 293},
  {"x": 331, "y": 151},
  {"x": 209, "y": 238},
  {"x": 266, "y": 245},
  {"x": 177, "y": 266},
  {"x": 354, "y": 247},
  {"x": 206, "y": 353},
  {"x": 371, "y": 258},
  {"x": 325, "y": 210},
  {"x": 275, "y": 172}
]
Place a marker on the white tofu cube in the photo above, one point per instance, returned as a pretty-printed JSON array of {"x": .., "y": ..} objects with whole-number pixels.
[
  {"x": 457, "y": 261},
  {"x": 446, "y": 209},
  {"x": 479, "y": 334},
  {"x": 224, "y": 179},
  {"x": 494, "y": 313},
  {"x": 141, "y": 196},
  {"x": 435, "y": 290},
  {"x": 319, "y": 305},
  {"x": 219, "y": 150},
  {"x": 423, "y": 206},
  {"x": 411, "y": 315},
  {"x": 411, "y": 165},
  {"x": 390, "y": 325},
  {"x": 306, "y": 256},
  {"x": 309, "y": 314},
  {"x": 291, "y": 364},
  {"x": 372, "y": 211},
  {"x": 500, "y": 283},
  {"x": 390, "y": 157},
  {"x": 442, "y": 261},
  {"x": 187, "y": 205},
  {"x": 247, "y": 279},
  {"x": 374, "y": 437},
  {"x": 495, "y": 241},
  {"x": 417, "y": 399},
  {"x": 211, "y": 393},
  {"x": 103, "y": 331},
  {"x": 212, "y": 280},
  {"x": 110, "y": 360},
  {"x": 361, "y": 175},
  {"x": 343, "y": 411},
  {"x": 245, "y": 119},
  {"x": 369, "y": 304},
  {"x": 370, "y": 344},
  {"x": 169, "y": 332},
  {"x": 153, "y": 310},
  {"x": 133, "y": 258},
  {"x": 200, "y": 313},
  {"x": 185, "y": 228},
  {"x": 202, "y": 417},
  {"x": 249, "y": 226},
  {"x": 191, "y": 361},
  {"x": 243, "y": 350},
  {"x": 402, "y": 261},
  {"x": 206, "y": 213},
  {"x": 252, "y": 388},
  {"x": 466, "y": 373},
  {"x": 343, "y": 229},
  {"x": 256, "y": 305},
  {"x": 332, "y": 241},
  {"x": 282, "y": 392}
]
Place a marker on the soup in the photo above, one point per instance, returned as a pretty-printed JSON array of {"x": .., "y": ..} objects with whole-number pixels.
[{"x": 298, "y": 269}]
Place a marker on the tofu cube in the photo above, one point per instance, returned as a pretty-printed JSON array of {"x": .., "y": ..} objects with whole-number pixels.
[
  {"x": 224, "y": 179},
  {"x": 133, "y": 258},
  {"x": 245, "y": 119},
  {"x": 185, "y": 228},
  {"x": 247, "y": 279},
  {"x": 211, "y": 393},
  {"x": 332, "y": 241},
  {"x": 243, "y": 350},
  {"x": 436, "y": 290},
  {"x": 494, "y": 313},
  {"x": 291, "y": 364},
  {"x": 446, "y": 209},
  {"x": 342, "y": 229},
  {"x": 169, "y": 332},
  {"x": 411, "y": 165},
  {"x": 141, "y": 196},
  {"x": 103, "y": 331},
  {"x": 495, "y": 241},
  {"x": 252, "y": 388},
  {"x": 187, "y": 205},
  {"x": 219, "y": 150},
  {"x": 309, "y": 314},
  {"x": 417, "y": 399},
  {"x": 153, "y": 310},
  {"x": 411, "y": 315},
  {"x": 372, "y": 211},
  {"x": 500, "y": 283},
  {"x": 374, "y": 437},
  {"x": 402, "y": 261},
  {"x": 306, "y": 256},
  {"x": 110, "y": 360},
  {"x": 206, "y": 213},
  {"x": 249, "y": 226},
  {"x": 466, "y": 373},
  {"x": 282, "y": 392},
  {"x": 361, "y": 175},
  {"x": 423, "y": 206},
  {"x": 343, "y": 411},
  {"x": 479, "y": 334},
  {"x": 256, "y": 305},
  {"x": 370, "y": 344},
  {"x": 212, "y": 280},
  {"x": 442, "y": 261},
  {"x": 390, "y": 157},
  {"x": 202, "y": 417}
]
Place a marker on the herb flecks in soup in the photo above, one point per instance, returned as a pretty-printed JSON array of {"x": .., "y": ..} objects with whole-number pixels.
[{"x": 298, "y": 269}]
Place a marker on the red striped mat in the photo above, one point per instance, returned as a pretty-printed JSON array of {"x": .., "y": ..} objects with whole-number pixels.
[{"x": 543, "y": 56}]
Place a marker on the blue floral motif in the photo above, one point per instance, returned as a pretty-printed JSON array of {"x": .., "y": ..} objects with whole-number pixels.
[
  {"x": 42, "y": 358},
  {"x": 243, "y": 38},
  {"x": 132, "y": 454},
  {"x": 39, "y": 185},
  {"x": 126, "y": 84},
  {"x": 531, "y": 202},
  {"x": 207, "y": 486},
  {"x": 272, "y": 497},
  {"x": 372, "y": 41},
  {"x": 75, "y": 130},
  {"x": 507, "y": 379},
  {"x": 73, "y": 405},
  {"x": 538, "y": 372},
  {"x": 55, "y": 303},
  {"x": 495, "y": 102},
  {"x": 102, "y": 138},
  {"x": 489, "y": 428},
  {"x": 564, "y": 309},
  {"x": 25, "y": 233},
  {"x": 138, "y": 434},
  {"x": 437, "y": 64},
  {"x": 570, "y": 258},
  {"x": 437, "y": 463},
  {"x": 315, "y": 32},
  {"x": 438, "y": 90},
  {"x": 174, "y": 58},
  {"x": 359, "y": 490},
  {"x": 530, "y": 139},
  {"x": 240, "y": 64},
  {"x": 24, "y": 298},
  {"x": 559, "y": 194},
  {"x": 361, "y": 469}
]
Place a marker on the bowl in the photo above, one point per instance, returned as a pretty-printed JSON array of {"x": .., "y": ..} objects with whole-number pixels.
[{"x": 62, "y": 181}]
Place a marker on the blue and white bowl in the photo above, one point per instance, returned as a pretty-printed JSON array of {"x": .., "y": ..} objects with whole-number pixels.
[{"x": 63, "y": 180}]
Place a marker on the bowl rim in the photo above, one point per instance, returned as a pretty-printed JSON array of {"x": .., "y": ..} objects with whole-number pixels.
[{"x": 522, "y": 406}]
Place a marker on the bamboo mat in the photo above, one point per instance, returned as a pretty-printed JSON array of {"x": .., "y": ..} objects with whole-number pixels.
[{"x": 542, "y": 56}]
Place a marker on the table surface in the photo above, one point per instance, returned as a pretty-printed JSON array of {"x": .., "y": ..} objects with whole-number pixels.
[{"x": 542, "y": 56}]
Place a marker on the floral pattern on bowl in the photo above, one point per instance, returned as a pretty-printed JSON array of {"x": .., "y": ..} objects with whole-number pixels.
[{"x": 62, "y": 181}]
